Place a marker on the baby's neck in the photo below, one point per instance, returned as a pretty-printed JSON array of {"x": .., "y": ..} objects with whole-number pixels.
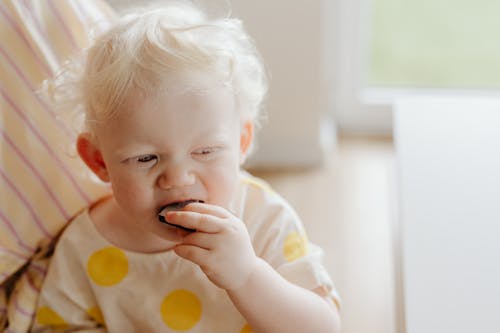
[{"x": 120, "y": 232}]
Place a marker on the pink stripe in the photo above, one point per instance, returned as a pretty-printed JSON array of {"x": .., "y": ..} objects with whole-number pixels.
[
  {"x": 28, "y": 6},
  {"x": 18, "y": 30},
  {"x": 37, "y": 174},
  {"x": 11, "y": 228},
  {"x": 38, "y": 268},
  {"x": 26, "y": 203},
  {"x": 82, "y": 15},
  {"x": 65, "y": 28},
  {"x": 97, "y": 22},
  {"x": 47, "y": 147},
  {"x": 23, "y": 311},
  {"x": 32, "y": 90},
  {"x": 13, "y": 253}
]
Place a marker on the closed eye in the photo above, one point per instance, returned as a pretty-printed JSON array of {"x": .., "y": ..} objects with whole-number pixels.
[
  {"x": 206, "y": 152},
  {"x": 143, "y": 161}
]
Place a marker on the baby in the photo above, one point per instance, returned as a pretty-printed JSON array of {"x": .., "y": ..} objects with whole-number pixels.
[{"x": 188, "y": 241}]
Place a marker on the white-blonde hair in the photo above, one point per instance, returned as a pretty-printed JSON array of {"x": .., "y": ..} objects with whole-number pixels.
[{"x": 151, "y": 49}]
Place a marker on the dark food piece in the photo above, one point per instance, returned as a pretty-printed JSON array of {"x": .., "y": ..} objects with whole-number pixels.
[{"x": 173, "y": 207}]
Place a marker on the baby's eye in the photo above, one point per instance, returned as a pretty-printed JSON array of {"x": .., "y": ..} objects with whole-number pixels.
[
  {"x": 205, "y": 151},
  {"x": 146, "y": 160}
]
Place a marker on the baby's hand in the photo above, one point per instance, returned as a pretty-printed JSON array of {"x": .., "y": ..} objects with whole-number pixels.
[{"x": 221, "y": 245}]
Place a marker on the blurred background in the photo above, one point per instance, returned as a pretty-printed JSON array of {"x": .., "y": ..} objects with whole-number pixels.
[{"x": 331, "y": 146}]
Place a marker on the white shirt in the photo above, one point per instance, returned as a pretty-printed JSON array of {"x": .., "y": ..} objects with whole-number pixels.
[{"x": 92, "y": 284}]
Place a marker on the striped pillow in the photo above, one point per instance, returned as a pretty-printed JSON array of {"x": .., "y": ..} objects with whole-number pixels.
[{"x": 42, "y": 181}]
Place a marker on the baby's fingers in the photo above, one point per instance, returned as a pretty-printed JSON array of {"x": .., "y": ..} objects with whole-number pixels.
[
  {"x": 192, "y": 253},
  {"x": 193, "y": 220},
  {"x": 204, "y": 208}
]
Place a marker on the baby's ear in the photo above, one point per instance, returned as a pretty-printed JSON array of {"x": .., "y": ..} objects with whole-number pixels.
[
  {"x": 92, "y": 156},
  {"x": 246, "y": 138}
]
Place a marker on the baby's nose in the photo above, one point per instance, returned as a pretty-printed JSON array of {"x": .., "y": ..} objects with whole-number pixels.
[{"x": 176, "y": 176}]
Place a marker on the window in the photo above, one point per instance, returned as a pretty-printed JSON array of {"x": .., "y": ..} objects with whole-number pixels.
[
  {"x": 389, "y": 48},
  {"x": 435, "y": 43}
]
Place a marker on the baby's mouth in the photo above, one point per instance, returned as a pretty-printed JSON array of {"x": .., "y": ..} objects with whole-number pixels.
[{"x": 174, "y": 207}]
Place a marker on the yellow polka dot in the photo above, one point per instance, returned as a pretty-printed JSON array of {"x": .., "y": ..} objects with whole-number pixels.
[
  {"x": 181, "y": 310},
  {"x": 295, "y": 246},
  {"x": 246, "y": 329},
  {"x": 96, "y": 314},
  {"x": 108, "y": 266},
  {"x": 47, "y": 316}
]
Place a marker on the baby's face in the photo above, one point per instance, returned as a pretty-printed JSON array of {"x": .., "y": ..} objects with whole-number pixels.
[{"x": 170, "y": 149}]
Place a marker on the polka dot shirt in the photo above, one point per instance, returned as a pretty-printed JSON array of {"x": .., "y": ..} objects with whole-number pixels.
[{"x": 93, "y": 284}]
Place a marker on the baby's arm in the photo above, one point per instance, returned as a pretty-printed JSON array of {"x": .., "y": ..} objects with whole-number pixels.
[
  {"x": 223, "y": 250},
  {"x": 272, "y": 304}
]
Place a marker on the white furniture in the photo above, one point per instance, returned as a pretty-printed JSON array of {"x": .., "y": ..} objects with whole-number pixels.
[{"x": 448, "y": 158}]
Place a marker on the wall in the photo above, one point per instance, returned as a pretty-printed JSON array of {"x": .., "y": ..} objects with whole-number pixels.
[{"x": 291, "y": 37}]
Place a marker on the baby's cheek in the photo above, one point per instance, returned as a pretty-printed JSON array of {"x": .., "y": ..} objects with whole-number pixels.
[
  {"x": 222, "y": 186},
  {"x": 129, "y": 194}
]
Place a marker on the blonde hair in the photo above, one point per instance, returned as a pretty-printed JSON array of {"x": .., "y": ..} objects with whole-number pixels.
[{"x": 154, "y": 49}]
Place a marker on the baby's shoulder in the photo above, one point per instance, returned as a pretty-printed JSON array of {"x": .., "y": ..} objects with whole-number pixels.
[
  {"x": 258, "y": 201},
  {"x": 80, "y": 232},
  {"x": 257, "y": 191}
]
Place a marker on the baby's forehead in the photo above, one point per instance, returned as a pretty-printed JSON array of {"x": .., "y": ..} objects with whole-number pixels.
[
  {"x": 185, "y": 95},
  {"x": 186, "y": 114}
]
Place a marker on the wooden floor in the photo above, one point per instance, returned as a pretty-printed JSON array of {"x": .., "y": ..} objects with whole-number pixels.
[{"x": 347, "y": 207}]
